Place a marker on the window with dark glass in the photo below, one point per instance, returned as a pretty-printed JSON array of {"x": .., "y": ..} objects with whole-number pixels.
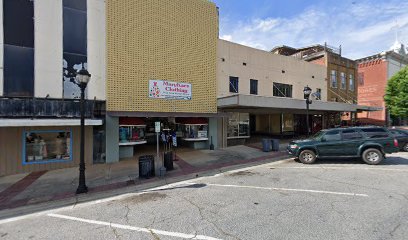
[
  {"x": 375, "y": 132},
  {"x": 74, "y": 44},
  {"x": 351, "y": 85},
  {"x": 332, "y": 136},
  {"x": 333, "y": 79},
  {"x": 351, "y": 135},
  {"x": 18, "y": 22},
  {"x": 343, "y": 80},
  {"x": 282, "y": 90},
  {"x": 233, "y": 84},
  {"x": 253, "y": 86}
]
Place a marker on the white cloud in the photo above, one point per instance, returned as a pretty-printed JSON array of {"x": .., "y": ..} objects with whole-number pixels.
[
  {"x": 226, "y": 37},
  {"x": 362, "y": 29}
]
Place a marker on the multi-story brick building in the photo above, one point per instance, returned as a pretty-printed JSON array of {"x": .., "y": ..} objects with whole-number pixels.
[
  {"x": 341, "y": 72},
  {"x": 373, "y": 74}
]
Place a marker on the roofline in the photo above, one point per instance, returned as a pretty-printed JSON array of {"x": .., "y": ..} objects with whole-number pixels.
[{"x": 383, "y": 55}]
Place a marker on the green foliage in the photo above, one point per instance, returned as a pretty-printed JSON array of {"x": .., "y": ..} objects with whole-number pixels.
[{"x": 396, "y": 94}]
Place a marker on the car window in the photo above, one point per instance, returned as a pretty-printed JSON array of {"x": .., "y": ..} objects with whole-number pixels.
[
  {"x": 375, "y": 132},
  {"x": 398, "y": 133},
  {"x": 351, "y": 134},
  {"x": 332, "y": 136}
]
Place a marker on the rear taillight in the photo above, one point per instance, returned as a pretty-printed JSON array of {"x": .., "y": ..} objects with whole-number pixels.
[{"x": 395, "y": 143}]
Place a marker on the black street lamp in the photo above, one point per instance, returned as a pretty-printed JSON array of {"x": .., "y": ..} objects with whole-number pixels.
[
  {"x": 82, "y": 78},
  {"x": 306, "y": 92}
]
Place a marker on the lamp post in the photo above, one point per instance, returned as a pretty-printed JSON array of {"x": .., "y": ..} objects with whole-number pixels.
[
  {"x": 82, "y": 78},
  {"x": 306, "y": 92}
]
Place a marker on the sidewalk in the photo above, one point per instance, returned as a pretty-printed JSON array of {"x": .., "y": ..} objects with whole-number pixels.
[{"x": 51, "y": 186}]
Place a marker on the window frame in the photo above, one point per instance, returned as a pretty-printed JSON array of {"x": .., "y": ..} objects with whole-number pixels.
[
  {"x": 343, "y": 81},
  {"x": 24, "y": 148},
  {"x": 333, "y": 79},
  {"x": 279, "y": 93},
  {"x": 251, "y": 90},
  {"x": 231, "y": 86},
  {"x": 351, "y": 82}
]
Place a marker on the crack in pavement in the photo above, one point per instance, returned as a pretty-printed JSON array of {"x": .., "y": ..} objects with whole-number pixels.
[
  {"x": 127, "y": 213},
  {"x": 155, "y": 236},
  {"x": 76, "y": 202},
  {"x": 219, "y": 229},
  {"x": 115, "y": 232},
  {"x": 395, "y": 229}
]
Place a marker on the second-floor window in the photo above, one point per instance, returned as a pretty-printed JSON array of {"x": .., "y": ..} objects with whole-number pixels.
[
  {"x": 361, "y": 78},
  {"x": 18, "y": 48},
  {"x": 253, "y": 86},
  {"x": 333, "y": 79},
  {"x": 233, "y": 84},
  {"x": 282, "y": 90},
  {"x": 343, "y": 80},
  {"x": 351, "y": 87}
]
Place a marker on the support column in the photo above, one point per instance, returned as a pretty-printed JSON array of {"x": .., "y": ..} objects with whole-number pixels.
[{"x": 112, "y": 139}]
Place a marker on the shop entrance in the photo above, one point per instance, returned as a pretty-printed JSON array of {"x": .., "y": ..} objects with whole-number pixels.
[{"x": 137, "y": 135}]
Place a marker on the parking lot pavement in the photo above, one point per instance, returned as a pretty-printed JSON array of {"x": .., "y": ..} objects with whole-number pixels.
[{"x": 283, "y": 200}]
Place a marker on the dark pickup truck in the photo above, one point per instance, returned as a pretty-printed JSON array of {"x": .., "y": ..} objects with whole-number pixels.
[{"x": 369, "y": 143}]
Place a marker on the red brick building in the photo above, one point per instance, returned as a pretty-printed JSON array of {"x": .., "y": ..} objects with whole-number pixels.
[{"x": 373, "y": 74}]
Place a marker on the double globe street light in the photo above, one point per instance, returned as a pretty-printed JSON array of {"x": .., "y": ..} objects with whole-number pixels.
[
  {"x": 82, "y": 78},
  {"x": 306, "y": 93}
]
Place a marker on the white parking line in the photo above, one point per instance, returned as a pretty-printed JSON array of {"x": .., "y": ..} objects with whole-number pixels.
[
  {"x": 288, "y": 189},
  {"x": 350, "y": 168},
  {"x": 137, "y": 229}
]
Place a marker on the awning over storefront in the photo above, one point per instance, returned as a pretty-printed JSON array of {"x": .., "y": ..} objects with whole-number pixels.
[
  {"x": 8, "y": 122},
  {"x": 191, "y": 120},
  {"x": 134, "y": 121},
  {"x": 289, "y": 104}
]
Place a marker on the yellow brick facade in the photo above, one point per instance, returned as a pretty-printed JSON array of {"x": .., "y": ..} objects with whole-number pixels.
[{"x": 174, "y": 40}]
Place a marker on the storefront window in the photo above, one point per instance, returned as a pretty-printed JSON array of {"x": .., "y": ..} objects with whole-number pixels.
[
  {"x": 194, "y": 130},
  {"x": 287, "y": 123},
  {"x": 238, "y": 125},
  {"x": 132, "y": 133},
  {"x": 47, "y": 146}
]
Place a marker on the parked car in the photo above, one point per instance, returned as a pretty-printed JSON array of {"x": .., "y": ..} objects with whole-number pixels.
[
  {"x": 402, "y": 136},
  {"x": 369, "y": 143}
]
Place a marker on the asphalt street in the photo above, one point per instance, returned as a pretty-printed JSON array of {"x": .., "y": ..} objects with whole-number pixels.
[{"x": 332, "y": 199}]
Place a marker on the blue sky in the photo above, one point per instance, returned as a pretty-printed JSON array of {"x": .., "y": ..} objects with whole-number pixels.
[{"x": 362, "y": 27}]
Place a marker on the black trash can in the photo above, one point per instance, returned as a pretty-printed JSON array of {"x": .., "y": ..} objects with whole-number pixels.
[
  {"x": 146, "y": 166},
  {"x": 275, "y": 145},
  {"x": 266, "y": 145},
  {"x": 168, "y": 161}
]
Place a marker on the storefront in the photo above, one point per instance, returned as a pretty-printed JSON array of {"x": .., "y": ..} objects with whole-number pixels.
[
  {"x": 250, "y": 116},
  {"x": 138, "y": 134},
  {"x": 43, "y": 144}
]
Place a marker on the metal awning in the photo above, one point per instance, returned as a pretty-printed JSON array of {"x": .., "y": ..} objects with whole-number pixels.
[
  {"x": 9, "y": 122},
  {"x": 240, "y": 101}
]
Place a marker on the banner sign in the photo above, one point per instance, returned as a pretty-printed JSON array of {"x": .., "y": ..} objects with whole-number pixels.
[{"x": 169, "y": 90}]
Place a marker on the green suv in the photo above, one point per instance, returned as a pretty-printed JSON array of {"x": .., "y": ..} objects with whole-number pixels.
[{"x": 369, "y": 143}]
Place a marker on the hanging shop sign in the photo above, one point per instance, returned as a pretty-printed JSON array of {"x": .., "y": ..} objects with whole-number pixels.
[{"x": 169, "y": 90}]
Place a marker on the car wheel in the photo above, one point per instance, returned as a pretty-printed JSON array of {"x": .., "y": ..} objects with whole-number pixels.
[
  {"x": 372, "y": 156},
  {"x": 307, "y": 157},
  {"x": 405, "y": 147}
]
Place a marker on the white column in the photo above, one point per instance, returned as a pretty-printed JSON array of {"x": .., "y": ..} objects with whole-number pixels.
[
  {"x": 48, "y": 48},
  {"x": 96, "y": 29}
]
